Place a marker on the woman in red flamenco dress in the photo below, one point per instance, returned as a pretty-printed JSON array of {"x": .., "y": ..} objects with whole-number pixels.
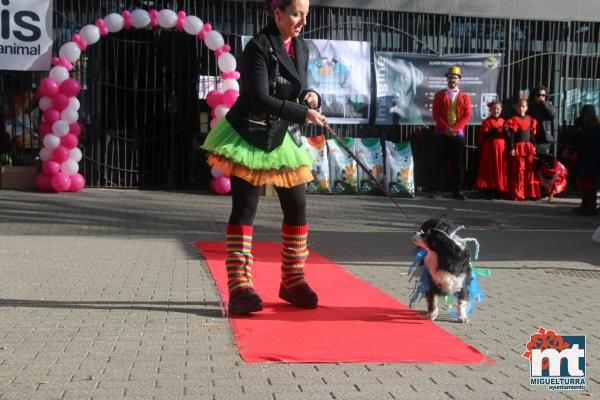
[
  {"x": 491, "y": 174},
  {"x": 523, "y": 182}
]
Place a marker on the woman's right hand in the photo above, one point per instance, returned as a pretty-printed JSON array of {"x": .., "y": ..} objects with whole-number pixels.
[{"x": 316, "y": 117}]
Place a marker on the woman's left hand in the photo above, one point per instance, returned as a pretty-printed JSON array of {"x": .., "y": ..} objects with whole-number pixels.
[{"x": 311, "y": 99}]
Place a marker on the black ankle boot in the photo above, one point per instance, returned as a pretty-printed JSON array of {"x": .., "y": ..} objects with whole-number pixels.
[
  {"x": 244, "y": 302},
  {"x": 301, "y": 296}
]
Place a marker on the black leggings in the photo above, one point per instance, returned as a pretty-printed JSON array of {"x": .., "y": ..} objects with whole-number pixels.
[{"x": 245, "y": 201}]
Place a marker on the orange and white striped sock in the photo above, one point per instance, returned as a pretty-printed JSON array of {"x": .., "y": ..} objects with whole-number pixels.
[
  {"x": 293, "y": 255},
  {"x": 239, "y": 257}
]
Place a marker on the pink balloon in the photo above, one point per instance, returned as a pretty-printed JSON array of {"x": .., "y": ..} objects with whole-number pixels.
[
  {"x": 211, "y": 185},
  {"x": 44, "y": 129},
  {"x": 49, "y": 87},
  {"x": 50, "y": 167},
  {"x": 60, "y": 182},
  {"x": 229, "y": 97},
  {"x": 213, "y": 123},
  {"x": 70, "y": 87},
  {"x": 51, "y": 116},
  {"x": 42, "y": 183},
  {"x": 60, "y": 101},
  {"x": 75, "y": 129},
  {"x": 222, "y": 184},
  {"x": 60, "y": 154},
  {"x": 69, "y": 141},
  {"x": 77, "y": 183},
  {"x": 214, "y": 98}
]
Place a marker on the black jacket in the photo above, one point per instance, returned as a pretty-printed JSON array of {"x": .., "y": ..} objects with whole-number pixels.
[
  {"x": 256, "y": 68},
  {"x": 588, "y": 152},
  {"x": 544, "y": 114}
]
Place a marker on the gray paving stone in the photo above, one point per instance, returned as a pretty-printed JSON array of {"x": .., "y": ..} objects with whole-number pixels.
[{"x": 133, "y": 305}]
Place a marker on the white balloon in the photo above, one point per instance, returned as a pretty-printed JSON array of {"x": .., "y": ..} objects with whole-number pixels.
[
  {"x": 75, "y": 155},
  {"x": 69, "y": 167},
  {"x": 45, "y": 103},
  {"x": 221, "y": 111},
  {"x": 229, "y": 84},
  {"x": 51, "y": 142},
  {"x": 193, "y": 25},
  {"x": 90, "y": 33},
  {"x": 59, "y": 74},
  {"x": 227, "y": 62},
  {"x": 73, "y": 104},
  {"x": 217, "y": 172},
  {"x": 70, "y": 51},
  {"x": 214, "y": 40},
  {"x": 60, "y": 128},
  {"x": 140, "y": 18},
  {"x": 69, "y": 116},
  {"x": 45, "y": 154},
  {"x": 114, "y": 22},
  {"x": 167, "y": 18}
]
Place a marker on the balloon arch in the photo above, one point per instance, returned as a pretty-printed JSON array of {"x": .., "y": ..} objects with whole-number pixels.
[{"x": 59, "y": 128}]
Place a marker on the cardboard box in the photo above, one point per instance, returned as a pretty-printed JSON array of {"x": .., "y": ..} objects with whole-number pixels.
[{"x": 17, "y": 178}]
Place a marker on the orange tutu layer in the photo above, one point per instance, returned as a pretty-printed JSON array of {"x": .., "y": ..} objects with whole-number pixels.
[{"x": 283, "y": 178}]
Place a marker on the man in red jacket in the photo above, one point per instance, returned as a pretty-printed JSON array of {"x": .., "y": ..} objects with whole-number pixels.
[{"x": 451, "y": 112}]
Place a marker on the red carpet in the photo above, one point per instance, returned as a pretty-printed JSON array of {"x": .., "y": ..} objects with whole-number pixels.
[{"x": 355, "y": 322}]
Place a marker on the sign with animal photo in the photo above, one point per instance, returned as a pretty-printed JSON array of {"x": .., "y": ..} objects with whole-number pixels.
[
  {"x": 26, "y": 39},
  {"x": 368, "y": 151},
  {"x": 342, "y": 168},
  {"x": 406, "y": 84},
  {"x": 340, "y": 70},
  {"x": 317, "y": 147},
  {"x": 399, "y": 169}
]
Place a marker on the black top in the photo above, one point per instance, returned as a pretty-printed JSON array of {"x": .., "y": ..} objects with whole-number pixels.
[
  {"x": 256, "y": 68},
  {"x": 544, "y": 113}
]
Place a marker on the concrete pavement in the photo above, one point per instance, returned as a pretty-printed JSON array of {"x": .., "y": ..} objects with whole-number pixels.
[{"x": 102, "y": 296}]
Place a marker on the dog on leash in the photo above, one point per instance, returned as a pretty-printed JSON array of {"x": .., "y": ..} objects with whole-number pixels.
[{"x": 447, "y": 261}]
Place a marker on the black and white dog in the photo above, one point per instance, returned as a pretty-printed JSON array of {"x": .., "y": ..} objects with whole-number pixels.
[{"x": 447, "y": 261}]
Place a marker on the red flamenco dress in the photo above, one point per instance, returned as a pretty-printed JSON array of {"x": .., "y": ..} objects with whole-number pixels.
[
  {"x": 491, "y": 174},
  {"x": 523, "y": 182}
]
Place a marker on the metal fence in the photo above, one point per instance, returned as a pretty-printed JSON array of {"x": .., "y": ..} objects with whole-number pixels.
[{"x": 144, "y": 122}]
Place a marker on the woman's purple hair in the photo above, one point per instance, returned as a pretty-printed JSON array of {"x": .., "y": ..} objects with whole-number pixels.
[{"x": 272, "y": 5}]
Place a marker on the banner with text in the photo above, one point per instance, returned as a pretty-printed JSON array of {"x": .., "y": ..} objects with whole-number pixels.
[
  {"x": 406, "y": 84},
  {"x": 340, "y": 71},
  {"x": 26, "y": 35}
]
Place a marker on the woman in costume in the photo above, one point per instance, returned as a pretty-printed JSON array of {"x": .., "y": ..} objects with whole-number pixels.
[
  {"x": 258, "y": 142},
  {"x": 491, "y": 174},
  {"x": 523, "y": 182}
]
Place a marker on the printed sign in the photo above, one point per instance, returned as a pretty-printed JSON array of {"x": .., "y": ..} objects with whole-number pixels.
[{"x": 25, "y": 35}]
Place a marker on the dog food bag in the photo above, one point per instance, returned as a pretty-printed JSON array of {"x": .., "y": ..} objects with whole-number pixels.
[
  {"x": 368, "y": 150},
  {"x": 317, "y": 147},
  {"x": 399, "y": 169},
  {"x": 342, "y": 168}
]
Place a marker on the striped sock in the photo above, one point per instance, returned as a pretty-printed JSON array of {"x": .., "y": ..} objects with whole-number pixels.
[
  {"x": 293, "y": 255},
  {"x": 239, "y": 257}
]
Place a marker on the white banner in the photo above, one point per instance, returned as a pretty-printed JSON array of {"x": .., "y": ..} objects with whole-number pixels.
[{"x": 25, "y": 35}]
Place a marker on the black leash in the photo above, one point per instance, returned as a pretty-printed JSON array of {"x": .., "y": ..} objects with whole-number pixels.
[{"x": 379, "y": 184}]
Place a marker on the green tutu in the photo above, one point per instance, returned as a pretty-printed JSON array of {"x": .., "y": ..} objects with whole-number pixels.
[{"x": 224, "y": 141}]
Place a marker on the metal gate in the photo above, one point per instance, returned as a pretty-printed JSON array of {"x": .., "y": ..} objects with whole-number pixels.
[{"x": 144, "y": 121}]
